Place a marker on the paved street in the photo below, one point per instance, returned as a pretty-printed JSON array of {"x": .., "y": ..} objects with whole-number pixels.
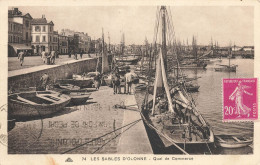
[
  {"x": 72, "y": 127},
  {"x": 31, "y": 61}
]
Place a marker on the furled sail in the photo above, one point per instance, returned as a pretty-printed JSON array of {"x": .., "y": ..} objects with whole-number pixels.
[
  {"x": 160, "y": 82},
  {"x": 105, "y": 65}
]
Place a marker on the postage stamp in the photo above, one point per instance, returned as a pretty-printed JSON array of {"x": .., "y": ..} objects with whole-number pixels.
[{"x": 240, "y": 99}]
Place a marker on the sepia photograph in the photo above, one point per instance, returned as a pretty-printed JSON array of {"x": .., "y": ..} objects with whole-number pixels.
[{"x": 131, "y": 79}]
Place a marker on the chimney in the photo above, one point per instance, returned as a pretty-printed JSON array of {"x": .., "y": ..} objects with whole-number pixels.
[
  {"x": 43, "y": 16},
  {"x": 15, "y": 11}
]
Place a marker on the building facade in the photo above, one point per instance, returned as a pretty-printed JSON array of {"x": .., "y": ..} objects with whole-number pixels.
[
  {"x": 42, "y": 35},
  {"x": 55, "y": 42},
  {"x": 83, "y": 42},
  {"x": 15, "y": 33},
  {"x": 63, "y": 44},
  {"x": 17, "y": 16}
]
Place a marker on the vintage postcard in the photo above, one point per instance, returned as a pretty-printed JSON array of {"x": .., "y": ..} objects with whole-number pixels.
[{"x": 138, "y": 82}]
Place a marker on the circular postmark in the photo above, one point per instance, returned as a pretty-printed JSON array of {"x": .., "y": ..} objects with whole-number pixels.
[{"x": 3, "y": 137}]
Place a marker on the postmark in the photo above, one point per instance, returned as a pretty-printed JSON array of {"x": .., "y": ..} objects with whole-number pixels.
[
  {"x": 3, "y": 136},
  {"x": 240, "y": 99}
]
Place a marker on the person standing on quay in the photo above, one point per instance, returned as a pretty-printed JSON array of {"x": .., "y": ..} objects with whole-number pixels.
[
  {"x": 75, "y": 55},
  {"x": 97, "y": 80},
  {"x": 129, "y": 81},
  {"x": 57, "y": 54},
  {"x": 70, "y": 54},
  {"x": 21, "y": 57},
  {"x": 81, "y": 54},
  {"x": 43, "y": 54},
  {"x": 44, "y": 81},
  {"x": 116, "y": 84},
  {"x": 53, "y": 54}
]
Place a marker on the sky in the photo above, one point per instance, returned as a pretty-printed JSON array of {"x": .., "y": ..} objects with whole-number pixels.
[{"x": 224, "y": 24}]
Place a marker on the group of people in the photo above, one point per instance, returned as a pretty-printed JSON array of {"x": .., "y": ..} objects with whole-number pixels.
[
  {"x": 50, "y": 57},
  {"x": 76, "y": 54},
  {"x": 127, "y": 81}
]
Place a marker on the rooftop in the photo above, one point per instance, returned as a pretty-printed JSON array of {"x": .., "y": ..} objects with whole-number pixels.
[
  {"x": 16, "y": 13},
  {"x": 41, "y": 21}
]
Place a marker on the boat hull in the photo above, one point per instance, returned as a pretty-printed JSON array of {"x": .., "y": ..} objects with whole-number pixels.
[
  {"x": 20, "y": 110},
  {"x": 128, "y": 61},
  {"x": 81, "y": 83},
  {"x": 225, "y": 69},
  {"x": 237, "y": 145},
  {"x": 79, "y": 98},
  {"x": 231, "y": 141},
  {"x": 193, "y": 89}
]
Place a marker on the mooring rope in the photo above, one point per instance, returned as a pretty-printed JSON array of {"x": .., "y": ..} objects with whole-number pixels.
[
  {"x": 100, "y": 137},
  {"x": 115, "y": 137}
]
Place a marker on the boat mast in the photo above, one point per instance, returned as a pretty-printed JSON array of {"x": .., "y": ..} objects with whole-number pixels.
[
  {"x": 108, "y": 42},
  {"x": 164, "y": 48},
  {"x": 103, "y": 51}
]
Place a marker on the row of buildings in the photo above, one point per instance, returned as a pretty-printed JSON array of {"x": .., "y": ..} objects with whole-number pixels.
[{"x": 37, "y": 34}]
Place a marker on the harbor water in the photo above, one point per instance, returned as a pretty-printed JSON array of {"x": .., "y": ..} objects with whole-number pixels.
[{"x": 209, "y": 99}]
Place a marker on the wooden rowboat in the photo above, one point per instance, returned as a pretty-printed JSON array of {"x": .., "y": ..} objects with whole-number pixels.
[
  {"x": 35, "y": 104},
  {"x": 77, "y": 81},
  {"x": 232, "y": 141},
  {"x": 79, "y": 97},
  {"x": 65, "y": 88}
]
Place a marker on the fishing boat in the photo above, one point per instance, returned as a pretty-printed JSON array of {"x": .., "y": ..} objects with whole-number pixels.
[
  {"x": 78, "y": 80},
  {"x": 170, "y": 112},
  {"x": 65, "y": 88},
  {"x": 227, "y": 68},
  {"x": 79, "y": 97},
  {"x": 192, "y": 87},
  {"x": 35, "y": 104},
  {"x": 128, "y": 60},
  {"x": 232, "y": 141},
  {"x": 196, "y": 62}
]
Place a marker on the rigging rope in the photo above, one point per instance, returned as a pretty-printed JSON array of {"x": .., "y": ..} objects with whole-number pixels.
[
  {"x": 100, "y": 137},
  {"x": 115, "y": 137}
]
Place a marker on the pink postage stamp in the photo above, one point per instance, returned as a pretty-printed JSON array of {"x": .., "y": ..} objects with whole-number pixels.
[{"x": 240, "y": 99}]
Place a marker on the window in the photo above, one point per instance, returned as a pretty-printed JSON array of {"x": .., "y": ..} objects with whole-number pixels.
[
  {"x": 43, "y": 38},
  {"x": 11, "y": 39},
  {"x": 37, "y": 28},
  {"x": 14, "y": 39},
  {"x": 27, "y": 23},
  {"x": 37, "y": 38},
  {"x": 50, "y": 38},
  {"x": 50, "y": 29},
  {"x": 27, "y": 36},
  {"x": 43, "y": 29},
  {"x": 11, "y": 27},
  {"x": 18, "y": 39}
]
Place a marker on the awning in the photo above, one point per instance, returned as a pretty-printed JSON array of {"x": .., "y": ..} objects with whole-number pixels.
[{"x": 20, "y": 47}]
